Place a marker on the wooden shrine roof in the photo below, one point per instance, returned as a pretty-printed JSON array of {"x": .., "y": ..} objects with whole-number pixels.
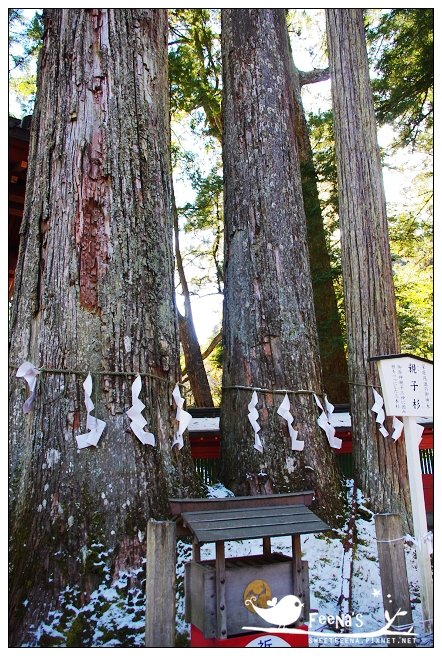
[{"x": 250, "y": 521}]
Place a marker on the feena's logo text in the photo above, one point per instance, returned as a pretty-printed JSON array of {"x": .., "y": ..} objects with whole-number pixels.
[
  {"x": 259, "y": 601},
  {"x": 344, "y": 621}
]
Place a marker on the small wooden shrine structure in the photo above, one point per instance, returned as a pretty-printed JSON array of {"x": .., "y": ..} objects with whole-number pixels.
[{"x": 216, "y": 591}]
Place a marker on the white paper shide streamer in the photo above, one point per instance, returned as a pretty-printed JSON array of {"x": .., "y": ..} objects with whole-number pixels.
[
  {"x": 397, "y": 429},
  {"x": 137, "y": 420},
  {"x": 324, "y": 423},
  {"x": 378, "y": 408},
  {"x": 253, "y": 416},
  {"x": 329, "y": 407},
  {"x": 29, "y": 372},
  {"x": 183, "y": 418},
  {"x": 94, "y": 425},
  {"x": 419, "y": 432},
  {"x": 284, "y": 412}
]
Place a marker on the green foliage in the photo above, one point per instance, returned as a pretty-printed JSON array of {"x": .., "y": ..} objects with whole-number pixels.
[
  {"x": 24, "y": 87},
  {"x": 308, "y": 25},
  {"x": 195, "y": 65},
  {"x": 203, "y": 219},
  {"x": 214, "y": 368},
  {"x": 410, "y": 229},
  {"x": 411, "y": 238},
  {"x": 195, "y": 92},
  {"x": 25, "y": 38},
  {"x": 25, "y": 41},
  {"x": 401, "y": 46},
  {"x": 323, "y": 146},
  {"x": 216, "y": 357}
]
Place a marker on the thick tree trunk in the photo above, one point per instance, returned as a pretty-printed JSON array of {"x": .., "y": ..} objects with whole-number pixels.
[
  {"x": 94, "y": 291},
  {"x": 195, "y": 369},
  {"x": 380, "y": 463},
  {"x": 331, "y": 343},
  {"x": 269, "y": 331},
  {"x": 328, "y": 323}
]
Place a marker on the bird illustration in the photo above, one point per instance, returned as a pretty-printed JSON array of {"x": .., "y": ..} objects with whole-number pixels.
[{"x": 281, "y": 613}]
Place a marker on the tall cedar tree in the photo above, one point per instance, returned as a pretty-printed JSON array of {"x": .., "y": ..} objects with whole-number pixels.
[
  {"x": 380, "y": 463},
  {"x": 94, "y": 291},
  {"x": 331, "y": 343},
  {"x": 194, "y": 83},
  {"x": 269, "y": 332}
]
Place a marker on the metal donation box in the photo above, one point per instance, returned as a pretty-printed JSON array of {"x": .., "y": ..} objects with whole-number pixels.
[{"x": 237, "y": 596}]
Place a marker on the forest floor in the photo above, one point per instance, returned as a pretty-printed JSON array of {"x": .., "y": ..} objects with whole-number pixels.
[{"x": 114, "y": 616}]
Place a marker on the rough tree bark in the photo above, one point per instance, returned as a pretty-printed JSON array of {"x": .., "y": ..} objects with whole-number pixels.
[
  {"x": 94, "y": 291},
  {"x": 195, "y": 369},
  {"x": 380, "y": 464},
  {"x": 269, "y": 332},
  {"x": 331, "y": 344}
]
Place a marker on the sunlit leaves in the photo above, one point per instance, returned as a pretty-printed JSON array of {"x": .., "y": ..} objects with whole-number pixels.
[{"x": 403, "y": 56}]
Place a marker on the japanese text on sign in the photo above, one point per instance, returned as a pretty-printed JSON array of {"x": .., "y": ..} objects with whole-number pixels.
[{"x": 407, "y": 387}]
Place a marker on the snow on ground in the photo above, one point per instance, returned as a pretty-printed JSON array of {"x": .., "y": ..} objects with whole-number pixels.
[
  {"x": 114, "y": 616},
  {"x": 324, "y": 554}
]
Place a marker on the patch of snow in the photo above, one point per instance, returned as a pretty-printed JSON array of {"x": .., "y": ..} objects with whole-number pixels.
[
  {"x": 218, "y": 491},
  {"x": 114, "y": 616},
  {"x": 204, "y": 424},
  {"x": 48, "y": 630}
]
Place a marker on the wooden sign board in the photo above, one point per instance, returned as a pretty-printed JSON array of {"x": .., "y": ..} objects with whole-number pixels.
[
  {"x": 407, "y": 389},
  {"x": 407, "y": 385}
]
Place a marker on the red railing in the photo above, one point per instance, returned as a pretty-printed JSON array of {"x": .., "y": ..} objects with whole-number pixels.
[{"x": 206, "y": 447}]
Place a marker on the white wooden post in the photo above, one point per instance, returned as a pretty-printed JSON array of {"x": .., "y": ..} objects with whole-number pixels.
[
  {"x": 407, "y": 386},
  {"x": 419, "y": 520}
]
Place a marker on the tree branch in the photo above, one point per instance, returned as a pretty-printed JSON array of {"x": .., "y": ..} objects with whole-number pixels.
[
  {"x": 212, "y": 346},
  {"x": 316, "y": 75}
]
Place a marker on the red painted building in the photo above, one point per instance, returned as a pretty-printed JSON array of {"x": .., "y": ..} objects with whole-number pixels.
[
  {"x": 205, "y": 441},
  {"x": 18, "y": 149}
]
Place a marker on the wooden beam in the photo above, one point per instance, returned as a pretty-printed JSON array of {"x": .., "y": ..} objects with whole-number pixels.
[
  {"x": 298, "y": 587},
  {"x": 267, "y": 547},
  {"x": 221, "y": 611},
  {"x": 393, "y": 570},
  {"x": 160, "y": 584},
  {"x": 196, "y": 552},
  {"x": 179, "y": 506}
]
